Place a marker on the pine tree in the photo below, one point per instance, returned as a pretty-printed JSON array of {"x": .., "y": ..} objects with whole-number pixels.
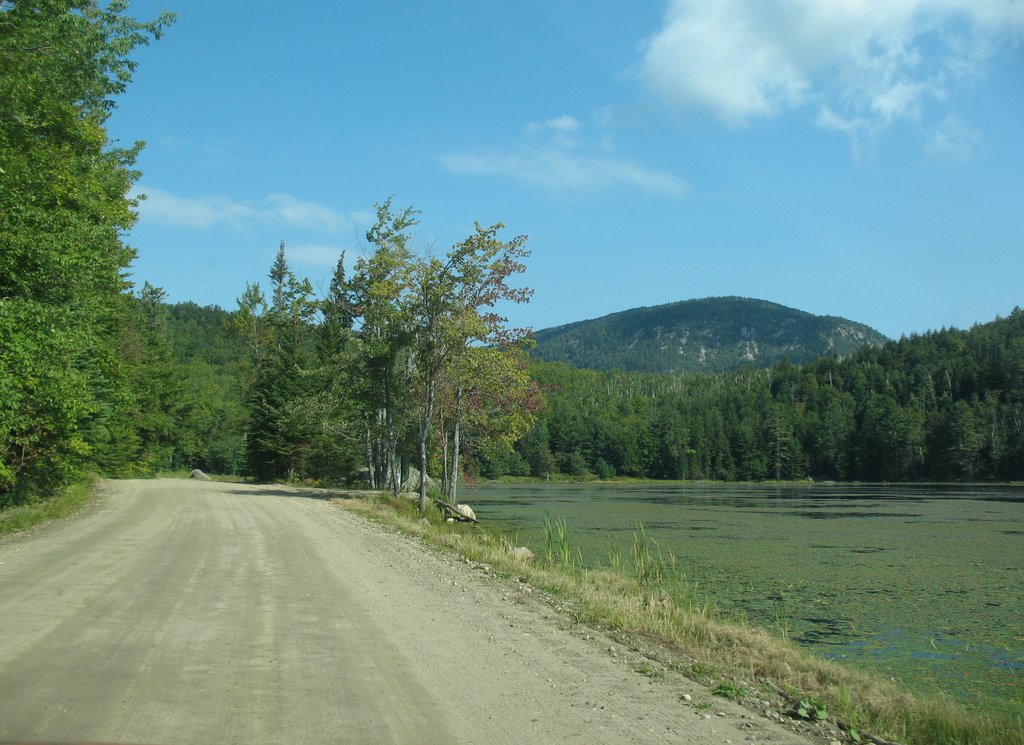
[{"x": 279, "y": 339}]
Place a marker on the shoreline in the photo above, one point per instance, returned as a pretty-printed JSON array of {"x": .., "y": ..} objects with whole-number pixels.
[{"x": 628, "y": 480}]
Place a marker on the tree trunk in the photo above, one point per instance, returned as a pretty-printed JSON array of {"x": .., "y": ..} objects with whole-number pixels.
[
  {"x": 445, "y": 463},
  {"x": 453, "y": 479},
  {"x": 371, "y": 465},
  {"x": 428, "y": 414},
  {"x": 394, "y": 471}
]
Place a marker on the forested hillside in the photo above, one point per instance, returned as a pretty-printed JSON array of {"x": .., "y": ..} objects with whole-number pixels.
[
  {"x": 942, "y": 406},
  {"x": 707, "y": 335},
  {"x": 211, "y": 365},
  {"x": 947, "y": 405}
]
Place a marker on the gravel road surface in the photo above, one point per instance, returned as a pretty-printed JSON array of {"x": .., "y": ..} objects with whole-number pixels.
[{"x": 200, "y": 612}]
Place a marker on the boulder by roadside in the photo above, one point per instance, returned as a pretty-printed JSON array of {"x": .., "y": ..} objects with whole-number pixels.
[{"x": 522, "y": 553}]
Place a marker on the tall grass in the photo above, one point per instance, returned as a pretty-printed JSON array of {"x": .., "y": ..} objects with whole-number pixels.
[
  {"x": 63, "y": 504},
  {"x": 646, "y": 593},
  {"x": 664, "y": 574},
  {"x": 558, "y": 552}
]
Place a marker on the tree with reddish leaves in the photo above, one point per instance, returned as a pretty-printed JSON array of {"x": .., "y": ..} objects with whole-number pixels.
[
  {"x": 454, "y": 311},
  {"x": 487, "y": 402}
]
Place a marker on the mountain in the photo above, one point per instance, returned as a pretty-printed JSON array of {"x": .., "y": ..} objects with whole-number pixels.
[{"x": 706, "y": 335}]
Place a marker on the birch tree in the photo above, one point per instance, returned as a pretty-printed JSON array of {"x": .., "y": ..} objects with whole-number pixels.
[
  {"x": 380, "y": 294},
  {"x": 454, "y": 309}
]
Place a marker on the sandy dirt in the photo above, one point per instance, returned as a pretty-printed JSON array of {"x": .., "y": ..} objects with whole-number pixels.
[{"x": 193, "y": 612}]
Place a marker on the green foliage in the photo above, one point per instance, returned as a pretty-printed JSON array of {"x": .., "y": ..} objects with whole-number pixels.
[
  {"x": 380, "y": 291},
  {"x": 360, "y": 379},
  {"x": 810, "y": 710},
  {"x": 64, "y": 189},
  {"x": 729, "y": 690},
  {"x": 464, "y": 348},
  {"x": 559, "y": 551},
  {"x": 64, "y": 502},
  {"x": 280, "y": 422},
  {"x": 211, "y": 364}
]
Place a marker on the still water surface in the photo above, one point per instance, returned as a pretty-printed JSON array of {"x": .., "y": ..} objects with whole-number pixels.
[{"x": 921, "y": 583}]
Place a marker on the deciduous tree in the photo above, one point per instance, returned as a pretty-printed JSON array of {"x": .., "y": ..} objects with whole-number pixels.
[{"x": 64, "y": 189}]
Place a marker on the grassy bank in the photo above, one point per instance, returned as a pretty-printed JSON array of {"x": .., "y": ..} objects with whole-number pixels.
[
  {"x": 644, "y": 593},
  {"x": 63, "y": 504}
]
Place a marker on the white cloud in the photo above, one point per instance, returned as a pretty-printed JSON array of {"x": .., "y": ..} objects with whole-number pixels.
[
  {"x": 207, "y": 211},
  {"x": 561, "y": 131},
  {"x": 561, "y": 163},
  {"x": 563, "y": 172},
  {"x": 952, "y": 140},
  {"x": 162, "y": 207},
  {"x": 828, "y": 119},
  {"x": 306, "y": 214},
  {"x": 564, "y": 123},
  {"x": 898, "y": 100},
  {"x": 866, "y": 63}
]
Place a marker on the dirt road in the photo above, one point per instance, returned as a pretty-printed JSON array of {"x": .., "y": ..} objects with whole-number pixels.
[{"x": 189, "y": 612}]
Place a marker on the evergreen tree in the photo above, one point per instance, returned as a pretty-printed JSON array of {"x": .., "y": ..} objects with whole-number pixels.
[
  {"x": 150, "y": 418},
  {"x": 279, "y": 338}
]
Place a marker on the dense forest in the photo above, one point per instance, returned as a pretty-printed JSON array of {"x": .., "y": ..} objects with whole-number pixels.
[
  {"x": 403, "y": 366},
  {"x": 75, "y": 393},
  {"x": 944, "y": 406},
  {"x": 716, "y": 334},
  {"x": 947, "y": 405}
]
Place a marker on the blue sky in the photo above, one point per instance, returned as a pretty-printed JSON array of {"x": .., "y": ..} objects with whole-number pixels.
[{"x": 859, "y": 158}]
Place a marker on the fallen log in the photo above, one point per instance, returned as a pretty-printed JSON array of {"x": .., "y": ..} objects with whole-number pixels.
[{"x": 453, "y": 511}]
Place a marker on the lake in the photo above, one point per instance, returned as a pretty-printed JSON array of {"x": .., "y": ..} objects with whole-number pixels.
[{"x": 924, "y": 584}]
